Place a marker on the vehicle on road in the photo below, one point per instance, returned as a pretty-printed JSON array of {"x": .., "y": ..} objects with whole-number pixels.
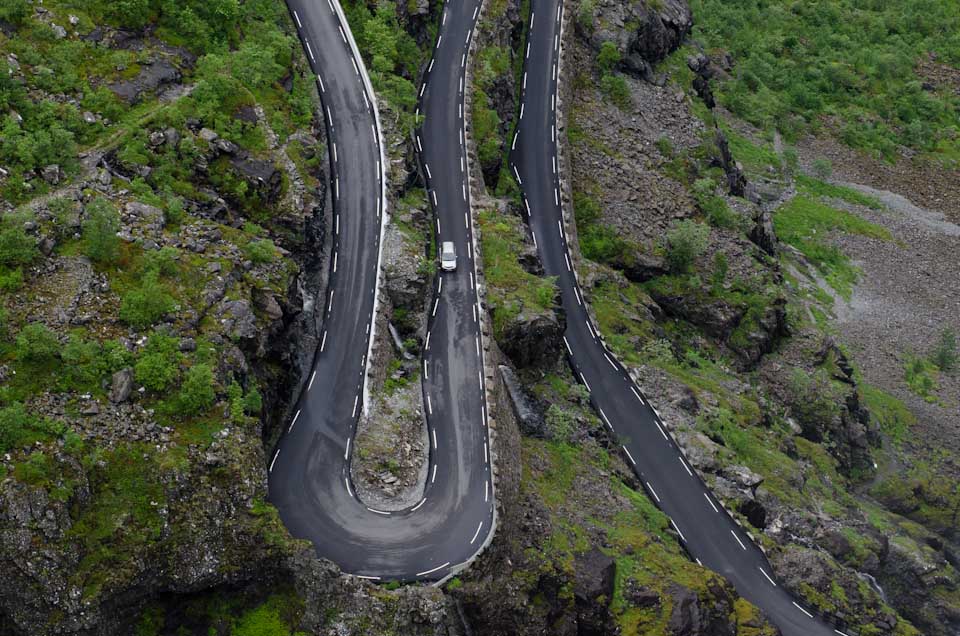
[{"x": 448, "y": 257}]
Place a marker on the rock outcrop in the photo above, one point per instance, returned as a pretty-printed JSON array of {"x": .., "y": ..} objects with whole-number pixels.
[{"x": 655, "y": 29}]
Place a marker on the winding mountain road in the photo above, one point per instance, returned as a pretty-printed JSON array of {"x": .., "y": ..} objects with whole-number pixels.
[
  {"x": 309, "y": 473},
  {"x": 708, "y": 533}
]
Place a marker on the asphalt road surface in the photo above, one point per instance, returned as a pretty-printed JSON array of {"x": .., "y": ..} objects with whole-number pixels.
[
  {"x": 310, "y": 469},
  {"x": 708, "y": 533}
]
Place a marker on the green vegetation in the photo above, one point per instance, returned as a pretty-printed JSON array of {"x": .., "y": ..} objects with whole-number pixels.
[
  {"x": 36, "y": 344},
  {"x": 612, "y": 85},
  {"x": 845, "y": 65},
  {"x": 100, "y": 239},
  {"x": 921, "y": 376},
  {"x": 944, "y": 354},
  {"x": 393, "y": 57},
  {"x": 598, "y": 241},
  {"x": 893, "y": 416},
  {"x": 261, "y": 251},
  {"x": 492, "y": 65},
  {"x": 714, "y": 206},
  {"x": 818, "y": 188},
  {"x": 513, "y": 290},
  {"x": 19, "y": 428},
  {"x": 686, "y": 241},
  {"x": 805, "y": 223},
  {"x": 158, "y": 366},
  {"x": 146, "y": 304}
]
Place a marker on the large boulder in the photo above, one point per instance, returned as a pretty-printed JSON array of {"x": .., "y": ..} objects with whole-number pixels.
[
  {"x": 656, "y": 29},
  {"x": 696, "y": 616},
  {"x": 533, "y": 339},
  {"x": 592, "y": 592}
]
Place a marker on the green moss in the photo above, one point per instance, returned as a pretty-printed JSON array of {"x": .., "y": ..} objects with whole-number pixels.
[
  {"x": 805, "y": 223},
  {"x": 512, "y": 289},
  {"x": 817, "y": 188},
  {"x": 893, "y": 416},
  {"x": 921, "y": 376}
]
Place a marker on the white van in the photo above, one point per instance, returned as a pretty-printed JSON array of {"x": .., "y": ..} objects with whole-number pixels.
[{"x": 448, "y": 257}]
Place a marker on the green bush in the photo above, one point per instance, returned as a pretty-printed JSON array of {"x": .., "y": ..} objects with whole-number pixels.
[
  {"x": 16, "y": 246},
  {"x": 945, "y": 353},
  {"x": 823, "y": 169},
  {"x": 685, "y": 242},
  {"x": 814, "y": 401},
  {"x": 585, "y": 15},
  {"x": 15, "y": 11},
  {"x": 15, "y": 426},
  {"x": 608, "y": 57},
  {"x": 100, "y": 241},
  {"x": 146, "y": 304},
  {"x": 163, "y": 261},
  {"x": 11, "y": 279},
  {"x": 262, "y": 251},
  {"x": 615, "y": 88},
  {"x": 197, "y": 393},
  {"x": 159, "y": 364},
  {"x": 81, "y": 363},
  {"x": 37, "y": 344}
]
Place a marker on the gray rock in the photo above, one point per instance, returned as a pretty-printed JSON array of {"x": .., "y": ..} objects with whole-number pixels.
[
  {"x": 208, "y": 135},
  {"x": 528, "y": 416},
  {"x": 58, "y": 31},
  {"x": 88, "y": 117},
  {"x": 172, "y": 136},
  {"x": 152, "y": 76},
  {"x": 121, "y": 385},
  {"x": 267, "y": 303},
  {"x": 693, "y": 616},
  {"x": 51, "y": 174}
]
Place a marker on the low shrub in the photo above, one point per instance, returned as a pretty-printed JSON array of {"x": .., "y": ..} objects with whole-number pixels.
[
  {"x": 146, "y": 304},
  {"x": 685, "y": 242},
  {"x": 37, "y": 344}
]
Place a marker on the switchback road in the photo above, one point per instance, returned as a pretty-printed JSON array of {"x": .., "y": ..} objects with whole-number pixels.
[
  {"x": 707, "y": 532},
  {"x": 310, "y": 469}
]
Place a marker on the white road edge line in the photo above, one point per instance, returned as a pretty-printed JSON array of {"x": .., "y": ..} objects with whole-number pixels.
[
  {"x": 738, "y": 539},
  {"x": 774, "y": 583},
  {"x": 707, "y": 497},
  {"x": 653, "y": 492},
  {"x": 439, "y": 567},
  {"x": 809, "y": 615},
  {"x": 628, "y": 455},
  {"x": 476, "y": 534}
]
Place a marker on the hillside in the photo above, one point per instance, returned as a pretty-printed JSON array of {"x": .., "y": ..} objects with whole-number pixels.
[{"x": 765, "y": 204}]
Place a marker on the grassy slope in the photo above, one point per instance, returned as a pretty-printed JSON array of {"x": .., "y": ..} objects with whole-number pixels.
[{"x": 844, "y": 64}]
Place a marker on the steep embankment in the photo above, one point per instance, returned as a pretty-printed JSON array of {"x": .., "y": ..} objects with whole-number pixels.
[{"x": 159, "y": 284}]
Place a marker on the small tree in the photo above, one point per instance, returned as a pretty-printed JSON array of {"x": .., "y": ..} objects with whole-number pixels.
[
  {"x": 147, "y": 304},
  {"x": 685, "y": 242},
  {"x": 16, "y": 246},
  {"x": 197, "y": 393},
  {"x": 37, "y": 344},
  {"x": 100, "y": 240},
  {"x": 608, "y": 57},
  {"x": 262, "y": 251},
  {"x": 945, "y": 353}
]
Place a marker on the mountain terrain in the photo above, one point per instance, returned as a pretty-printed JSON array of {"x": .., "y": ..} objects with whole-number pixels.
[{"x": 764, "y": 198}]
